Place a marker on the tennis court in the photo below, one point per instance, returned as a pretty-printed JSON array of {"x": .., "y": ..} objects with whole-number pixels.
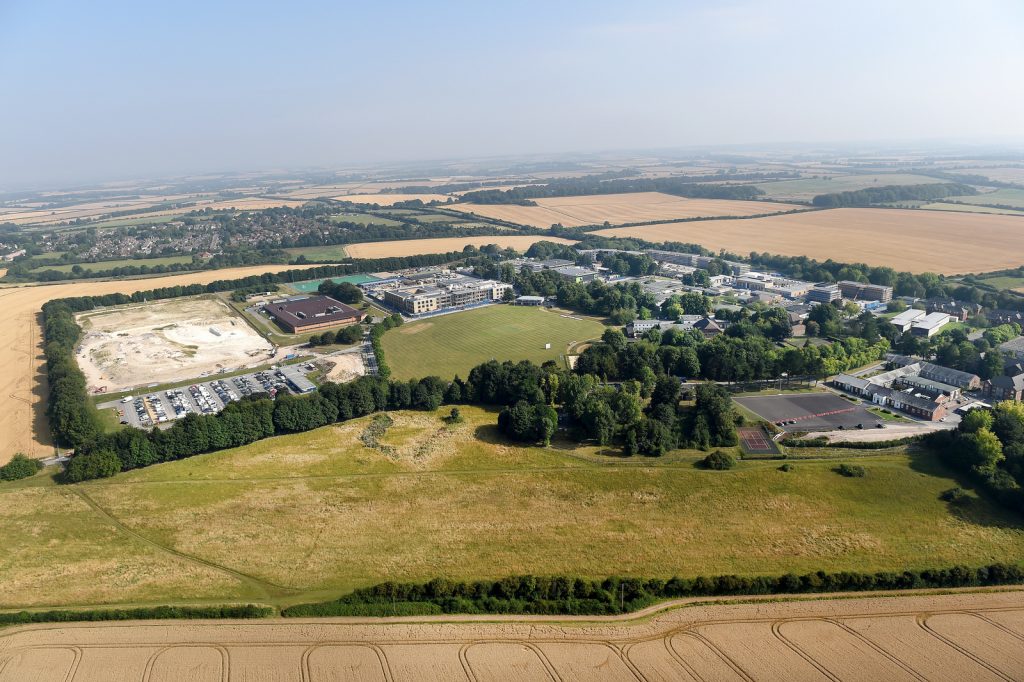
[{"x": 755, "y": 441}]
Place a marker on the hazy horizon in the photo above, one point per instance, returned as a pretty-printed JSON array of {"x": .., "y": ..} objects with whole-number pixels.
[{"x": 118, "y": 90}]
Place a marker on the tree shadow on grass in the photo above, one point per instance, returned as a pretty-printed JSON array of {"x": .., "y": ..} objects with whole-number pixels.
[{"x": 983, "y": 510}]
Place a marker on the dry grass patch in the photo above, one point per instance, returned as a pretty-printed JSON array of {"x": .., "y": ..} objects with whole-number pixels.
[
  {"x": 634, "y": 207},
  {"x": 413, "y": 247},
  {"x": 919, "y": 241}
]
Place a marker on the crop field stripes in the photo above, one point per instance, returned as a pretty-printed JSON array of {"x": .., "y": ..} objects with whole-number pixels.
[{"x": 703, "y": 650}]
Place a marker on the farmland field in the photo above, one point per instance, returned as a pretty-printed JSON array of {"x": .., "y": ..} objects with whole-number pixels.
[
  {"x": 964, "y": 208},
  {"x": 23, "y": 426},
  {"x": 919, "y": 241},
  {"x": 452, "y": 344},
  {"x": 806, "y": 189},
  {"x": 1002, "y": 197},
  {"x": 1005, "y": 282},
  {"x": 412, "y": 247},
  {"x": 122, "y": 263},
  {"x": 311, "y": 515},
  {"x": 319, "y": 253},
  {"x": 635, "y": 207},
  {"x": 364, "y": 219},
  {"x": 966, "y": 635},
  {"x": 390, "y": 199}
]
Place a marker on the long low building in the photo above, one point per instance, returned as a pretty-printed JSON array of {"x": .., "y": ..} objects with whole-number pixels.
[
  {"x": 455, "y": 292},
  {"x": 298, "y": 315}
]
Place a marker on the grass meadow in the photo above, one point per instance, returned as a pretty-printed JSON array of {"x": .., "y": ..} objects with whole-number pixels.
[
  {"x": 453, "y": 344},
  {"x": 121, "y": 263},
  {"x": 314, "y": 515}
]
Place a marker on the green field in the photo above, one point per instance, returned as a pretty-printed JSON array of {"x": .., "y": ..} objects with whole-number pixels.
[
  {"x": 364, "y": 219},
  {"x": 1005, "y": 282},
  {"x": 122, "y": 263},
  {"x": 131, "y": 222},
  {"x": 453, "y": 344},
  {"x": 310, "y": 516},
  {"x": 319, "y": 253},
  {"x": 808, "y": 188},
  {"x": 1004, "y": 197},
  {"x": 310, "y": 285}
]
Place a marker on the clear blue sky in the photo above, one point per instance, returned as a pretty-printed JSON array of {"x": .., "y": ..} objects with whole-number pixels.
[{"x": 97, "y": 90}]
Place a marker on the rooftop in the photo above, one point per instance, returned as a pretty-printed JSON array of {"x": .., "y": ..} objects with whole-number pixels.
[{"x": 312, "y": 310}]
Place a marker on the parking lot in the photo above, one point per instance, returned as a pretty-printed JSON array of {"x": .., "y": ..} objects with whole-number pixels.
[
  {"x": 810, "y": 412},
  {"x": 164, "y": 407}
]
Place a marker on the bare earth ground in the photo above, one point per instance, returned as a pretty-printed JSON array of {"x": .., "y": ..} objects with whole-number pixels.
[
  {"x": 636, "y": 207},
  {"x": 165, "y": 341},
  {"x": 23, "y": 425},
  {"x": 962, "y": 636},
  {"x": 344, "y": 367},
  {"x": 390, "y": 199},
  {"x": 919, "y": 241},
  {"x": 412, "y": 247}
]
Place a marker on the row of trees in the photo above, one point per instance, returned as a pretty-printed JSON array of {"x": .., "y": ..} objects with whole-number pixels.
[
  {"x": 562, "y": 594},
  {"x": 694, "y": 187},
  {"x": 892, "y": 193},
  {"x": 345, "y": 336}
]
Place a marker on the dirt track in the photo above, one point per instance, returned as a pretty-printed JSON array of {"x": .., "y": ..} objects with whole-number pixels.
[
  {"x": 966, "y": 636},
  {"x": 23, "y": 425}
]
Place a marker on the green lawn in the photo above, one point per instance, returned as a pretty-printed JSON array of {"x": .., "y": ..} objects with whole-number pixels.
[
  {"x": 364, "y": 219},
  {"x": 319, "y": 253},
  {"x": 886, "y": 415},
  {"x": 453, "y": 344},
  {"x": 1005, "y": 282},
  {"x": 122, "y": 263},
  {"x": 313, "y": 515}
]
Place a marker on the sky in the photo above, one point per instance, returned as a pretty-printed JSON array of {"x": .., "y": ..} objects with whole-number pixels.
[{"x": 111, "y": 90}]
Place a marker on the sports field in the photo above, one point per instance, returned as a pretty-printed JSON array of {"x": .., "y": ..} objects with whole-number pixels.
[
  {"x": 637, "y": 207},
  {"x": 308, "y": 516},
  {"x": 452, "y": 344},
  {"x": 310, "y": 285},
  {"x": 413, "y": 247},
  {"x": 920, "y": 241}
]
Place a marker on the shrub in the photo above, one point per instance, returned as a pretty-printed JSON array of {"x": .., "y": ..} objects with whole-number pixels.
[
  {"x": 454, "y": 417},
  {"x": 20, "y": 466},
  {"x": 850, "y": 470},
  {"x": 719, "y": 461},
  {"x": 786, "y": 467},
  {"x": 957, "y": 496}
]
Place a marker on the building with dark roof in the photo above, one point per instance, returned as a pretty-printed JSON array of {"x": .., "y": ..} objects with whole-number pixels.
[
  {"x": 1005, "y": 387},
  {"x": 300, "y": 315},
  {"x": 861, "y": 291}
]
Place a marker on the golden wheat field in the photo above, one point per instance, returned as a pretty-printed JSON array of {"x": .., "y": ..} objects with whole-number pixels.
[
  {"x": 919, "y": 241},
  {"x": 616, "y": 209},
  {"x": 23, "y": 426},
  {"x": 961, "y": 636},
  {"x": 412, "y": 247}
]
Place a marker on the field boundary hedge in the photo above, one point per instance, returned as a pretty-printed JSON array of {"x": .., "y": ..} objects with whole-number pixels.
[
  {"x": 568, "y": 595},
  {"x": 140, "y": 613}
]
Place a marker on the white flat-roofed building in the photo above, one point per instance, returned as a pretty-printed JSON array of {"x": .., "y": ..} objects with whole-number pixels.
[
  {"x": 930, "y": 324},
  {"x": 904, "y": 320}
]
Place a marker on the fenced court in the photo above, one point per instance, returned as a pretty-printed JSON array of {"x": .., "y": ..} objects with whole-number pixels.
[{"x": 755, "y": 441}]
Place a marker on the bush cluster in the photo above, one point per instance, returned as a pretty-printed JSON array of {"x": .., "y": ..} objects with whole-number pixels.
[{"x": 141, "y": 613}]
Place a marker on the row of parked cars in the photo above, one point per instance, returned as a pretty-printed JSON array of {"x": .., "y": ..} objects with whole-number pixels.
[
  {"x": 203, "y": 399},
  {"x": 224, "y": 392}
]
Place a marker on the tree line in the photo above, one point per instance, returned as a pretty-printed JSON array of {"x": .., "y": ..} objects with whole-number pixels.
[
  {"x": 892, "y": 193},
  {"x": 693, "y": 187},
  {"x": 574, "y": 595}
]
